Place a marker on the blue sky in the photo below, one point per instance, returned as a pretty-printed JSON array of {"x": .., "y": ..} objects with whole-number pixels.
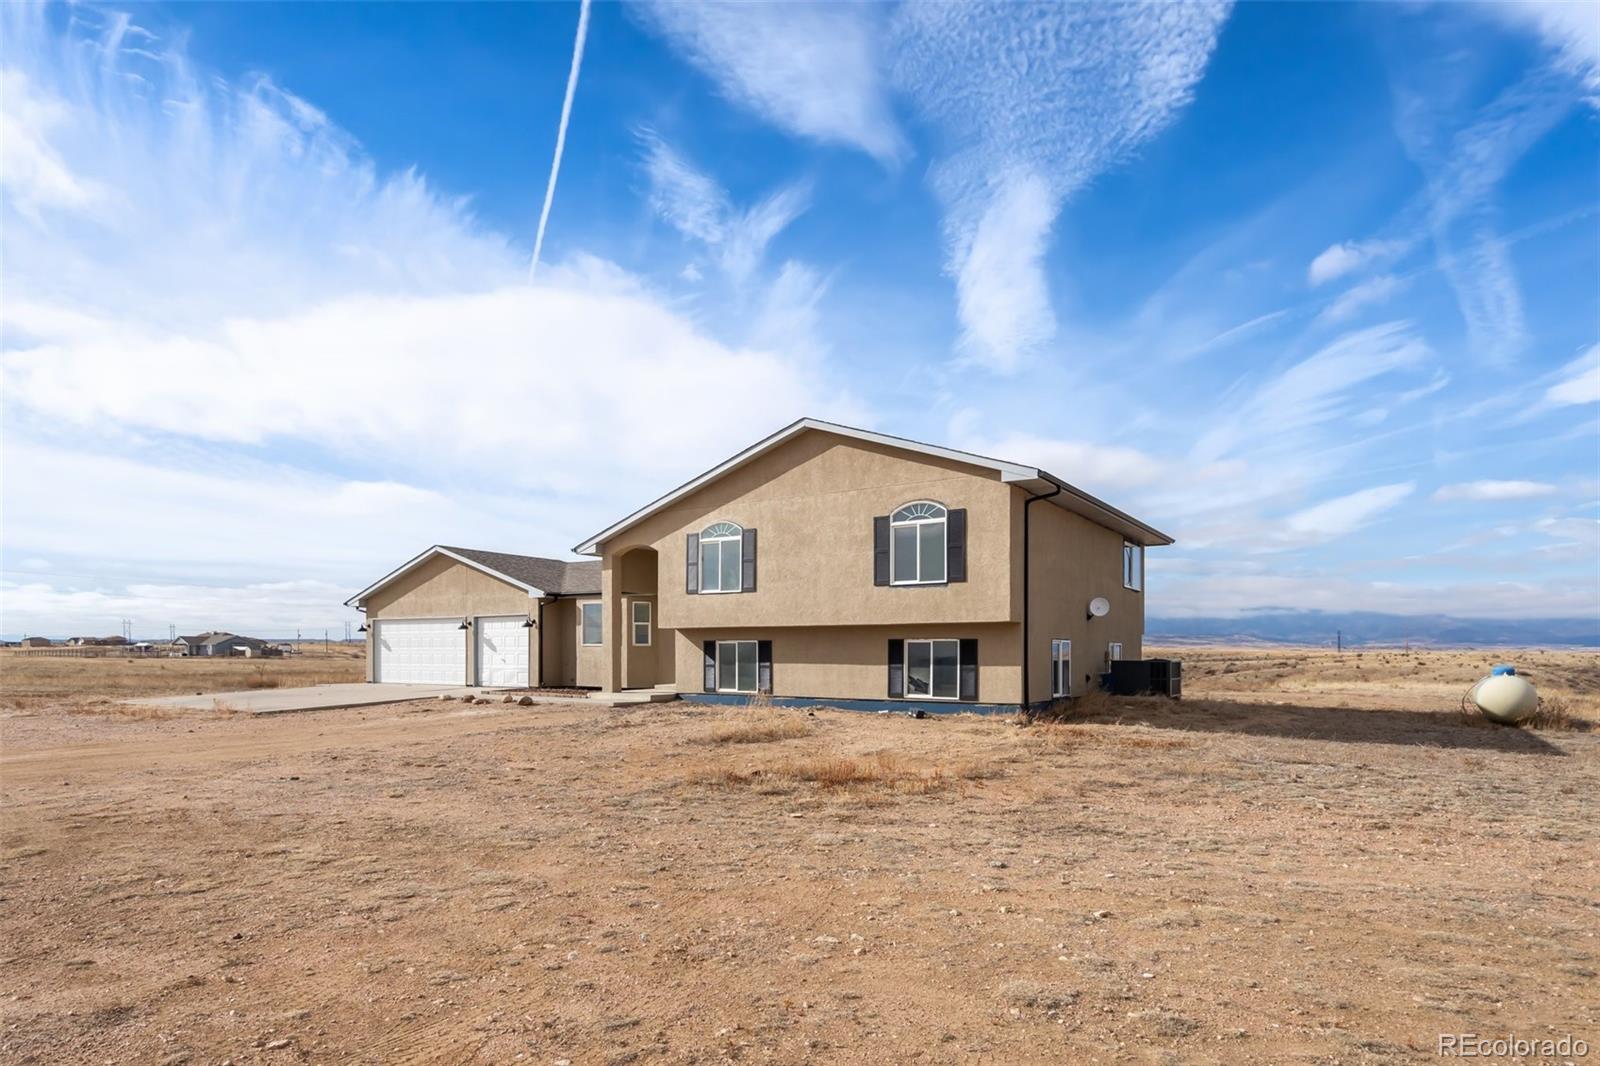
[{"x": 1316, "y": 288}]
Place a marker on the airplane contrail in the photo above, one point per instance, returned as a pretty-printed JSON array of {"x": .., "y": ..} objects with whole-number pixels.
[{"x": 561, "y": 136}]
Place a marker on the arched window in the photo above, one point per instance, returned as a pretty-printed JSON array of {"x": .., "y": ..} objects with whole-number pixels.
[
  {"x": 721, "y": 558},
  {"x": 917, "y": 544}
]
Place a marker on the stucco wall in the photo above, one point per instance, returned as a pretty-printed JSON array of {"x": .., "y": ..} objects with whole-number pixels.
[
  {"x": 560, "y": 640},
  {"x": 812, "y": 501},
  {"x": 442, "y": 587},
  {"x": 590, "y": 659},
  {"x": 1073, "y": 561},
  {"x": 445, "y": 588},
  {"x": 851, "y": 662}
]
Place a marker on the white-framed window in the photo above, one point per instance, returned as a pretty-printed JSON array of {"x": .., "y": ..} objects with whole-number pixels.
[
  {"x": 1132, "y": 566},
  {"x": 917, "y": 544},
  {"x": 589, "y": 615},
  {"x": 738, "y": 662},
  {"x": 933, "y": 669},
  {"x": 1061, "y": 668},
  {"x": 641, "y": 623},
  {"x": 1113, "y": 652},
  {"x": 721, "y": 557}
]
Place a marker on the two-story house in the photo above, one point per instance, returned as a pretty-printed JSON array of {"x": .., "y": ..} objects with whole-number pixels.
[{"x": 824, "y": 564}]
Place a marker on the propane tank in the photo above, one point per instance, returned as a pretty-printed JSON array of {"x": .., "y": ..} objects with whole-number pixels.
[{"x": 1504, "y": 696}]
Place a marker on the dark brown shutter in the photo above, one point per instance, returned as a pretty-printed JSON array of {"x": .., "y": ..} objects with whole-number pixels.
[
  {"x": 968, "y": 685},
  {"x": 897, "y": 669},
  {"x": 955, "y": 545},
  {"x": 747, "y": 562},
  {"x": 691, "y": 565},
  {"x": 880, "y": 550},
  {"x": 709, "y": 682},
  {"x": 764, "y": 666}
]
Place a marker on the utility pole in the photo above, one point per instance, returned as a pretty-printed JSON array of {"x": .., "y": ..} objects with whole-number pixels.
[{"x": 1338, "y": 640}]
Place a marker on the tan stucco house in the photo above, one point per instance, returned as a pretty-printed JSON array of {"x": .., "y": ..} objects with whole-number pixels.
[{"x": 823, "y": 564}]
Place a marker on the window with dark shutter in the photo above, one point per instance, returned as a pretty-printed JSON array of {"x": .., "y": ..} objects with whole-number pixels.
[
  {"x": 709, "y": 682},
  {"x": 764, "y": 666},
  {"x": 691, "y": 565},
  {"x": 880, "y": 550},
  {"x": 897, "y": 669},
  {"x": 969, "y": 671},
  {"x": 747, "y": 574},
  {"x": 955, "y": 545}
]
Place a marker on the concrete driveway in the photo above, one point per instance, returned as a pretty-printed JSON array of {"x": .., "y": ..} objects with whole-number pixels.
[{"x": 310, "y": 698}]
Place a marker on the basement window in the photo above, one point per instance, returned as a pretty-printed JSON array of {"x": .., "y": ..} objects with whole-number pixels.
[
  {"x": 591, "y": 623},
  {"x": 933, "y": 669},
  {"x": 737, "y": 661}
]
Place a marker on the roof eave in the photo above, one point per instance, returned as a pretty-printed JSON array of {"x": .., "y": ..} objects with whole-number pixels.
[
  {"x": 361, "y": 597},
  {"x": 1097, "y": 510}
]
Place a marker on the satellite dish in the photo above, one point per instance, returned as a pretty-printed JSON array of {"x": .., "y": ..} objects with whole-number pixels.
[{"x": 1099, "y": 607}]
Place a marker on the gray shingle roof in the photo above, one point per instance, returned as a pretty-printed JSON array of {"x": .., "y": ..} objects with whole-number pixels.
[{"x": 554, "y": 576}]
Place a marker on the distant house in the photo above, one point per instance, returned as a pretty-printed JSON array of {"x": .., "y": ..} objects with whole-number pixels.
[
  {"x": 36, "y": 642},
  {"x": 224, "y": 644},
  {"x": 98, "y": 642}
]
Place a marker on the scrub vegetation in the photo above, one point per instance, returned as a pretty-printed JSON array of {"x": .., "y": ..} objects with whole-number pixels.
[{"x": 1278, "y": 869}]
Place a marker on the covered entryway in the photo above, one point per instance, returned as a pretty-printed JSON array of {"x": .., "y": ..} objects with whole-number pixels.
[
  {"x": 420, "y": 651},
  {"x": 501, "y": 644}
]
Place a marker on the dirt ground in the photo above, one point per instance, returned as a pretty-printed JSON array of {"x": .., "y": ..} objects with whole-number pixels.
[
  {"x": 1302, "y": 863},
  {"x": 32, "y": 679}
]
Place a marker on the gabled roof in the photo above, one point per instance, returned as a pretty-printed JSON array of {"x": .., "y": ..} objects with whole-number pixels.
[
  {"x": 1030, "y": 478},
  {"x": 535, "y": 575}
]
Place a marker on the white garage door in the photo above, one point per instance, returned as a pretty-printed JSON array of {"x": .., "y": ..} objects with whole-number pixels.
[
  {"x": 421, "y": 651},
  {"x": 502, "y": 651}
]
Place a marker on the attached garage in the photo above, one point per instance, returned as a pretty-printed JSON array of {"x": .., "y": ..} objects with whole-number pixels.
[
  {"x": 501, "y": 655},
  {"x": 459, "y": 616},
  {"x": 419, "y": 651}
]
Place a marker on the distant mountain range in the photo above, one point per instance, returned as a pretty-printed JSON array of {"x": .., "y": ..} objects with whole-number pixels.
[{"x": 1357, "y": 628}]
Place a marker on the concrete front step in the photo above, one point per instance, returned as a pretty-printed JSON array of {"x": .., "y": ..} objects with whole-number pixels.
[{"x": 638, "y": 695}]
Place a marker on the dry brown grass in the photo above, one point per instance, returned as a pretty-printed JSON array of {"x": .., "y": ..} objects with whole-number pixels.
[
  {"x": 759, "y": 722},
  {"x": 1559, "y": 713},
  {"x": 30, "y": 680},
  {"x": 881, "y": 771},
  {"x": 1058, "y": 736},
  {"x": 1290, "y": 882}
]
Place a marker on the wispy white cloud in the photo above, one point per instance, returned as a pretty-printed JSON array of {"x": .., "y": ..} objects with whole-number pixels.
[
  {"x": 1002, "y": 298},
  {"x": 1464, "y": 161},
  {"x": 1365, "y": 294},
  {"x": 1222, "y": 590},
  {"x": 33, "y": 175},
  {"x": 1033, "y": 102},
  {"x": 1570, "y": 27},
  {"x": 1344, "y": 515},
  {"x": 1578, "y": 382},
  {"x": 1115, "y": 470},
  {"x": 811, "y": 69},
  {"x": 1327, "y": 385},
  {"x": 1349, "y": 257},
  {"x": 1494, "y": 490},
  {"x": 349, "y": 318},
  {"x": 694, "y": 204},
  {"x": 1030, "y": 101}
]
